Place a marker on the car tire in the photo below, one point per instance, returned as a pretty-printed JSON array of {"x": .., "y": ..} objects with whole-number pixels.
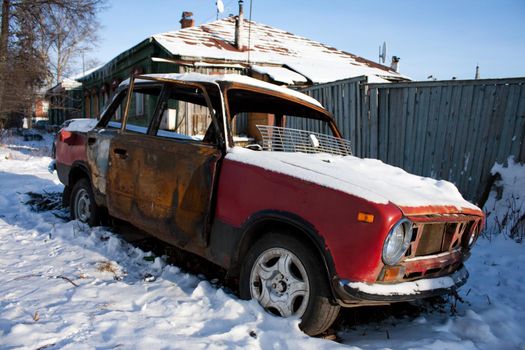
[
  {"x": 287, "y": 278},
  {"x": 82, "y": 203}
]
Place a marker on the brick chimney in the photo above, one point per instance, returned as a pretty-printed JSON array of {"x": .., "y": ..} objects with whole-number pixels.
[
  {"x": 187, "y": 20},
  {"x": 239, "y": 43}
]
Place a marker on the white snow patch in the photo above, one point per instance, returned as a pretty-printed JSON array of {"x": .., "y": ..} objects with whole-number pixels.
[
  {"x": 121, "y": 309},
  {"x": 82, "y": 125},
  {"x": 408, "y": 288},
  {"x": 369, "y": 179},
  {"x": 280, "y": 74},
  {"x": 505, "y": 206}
]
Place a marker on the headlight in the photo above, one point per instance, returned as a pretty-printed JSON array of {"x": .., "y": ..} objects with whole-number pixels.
[{"x": 397, "y": 242}]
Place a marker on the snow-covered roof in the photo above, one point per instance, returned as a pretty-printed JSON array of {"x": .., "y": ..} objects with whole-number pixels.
[
  {"x": 233, "y": 78},
  {"x": 73, "y": 82},
  {"x": 268, "y": 45},
  {"x": 280, "y": 74},
  {"x": 81, "y": 75}
]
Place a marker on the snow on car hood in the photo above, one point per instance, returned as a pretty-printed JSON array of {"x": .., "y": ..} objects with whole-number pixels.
[{"x": 369, "y": 179}]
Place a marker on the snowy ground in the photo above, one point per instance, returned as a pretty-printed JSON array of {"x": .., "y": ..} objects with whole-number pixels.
[{"x": 63, "y": 285}]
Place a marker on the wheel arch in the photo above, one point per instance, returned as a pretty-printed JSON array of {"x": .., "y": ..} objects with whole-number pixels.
[
  {"x": 79, "y": 170},
  {"x": 288, "y": 223}
]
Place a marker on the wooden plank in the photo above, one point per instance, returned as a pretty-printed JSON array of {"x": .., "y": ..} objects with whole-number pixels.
[
  {"x": 469, "y": 140},
  {"x": 363, "y": 114},
  {"x": 402, "y": 122},
  {"x": 355, "y": 116},
  {"x": 477, "y": 176},
  {"x": 496, "y": 126},
  {"x": 359, "y": 122},
  {"x": 392, "y": 126},
  {"x": 374, "y": 123},
  {"x": 441, "y": 131},
  {"x": 422, "y": 122},
  {"x": 519, "y": 130},
  {"x": 343, "y": 117},
  {"x": 353, "y": 121},
  {"x": 409, "y": 138},
  {"x": 430, "y": 135},
  {"x": 363, "y": 125},
  {"x": 451, "y": 155},
  {"x": 463, "y": 134},
  {"x": 394, "y": 104},
  {"x": 348, "y": 122},
  {"x": 509, "y": 122},
  {"x": 383, "y": 124},
  {"x": 413, "y": 120},
  {"x": 474, "y": 135}
]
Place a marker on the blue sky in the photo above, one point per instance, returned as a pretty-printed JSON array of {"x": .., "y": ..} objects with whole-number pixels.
[{"x": 444, "y": 38}]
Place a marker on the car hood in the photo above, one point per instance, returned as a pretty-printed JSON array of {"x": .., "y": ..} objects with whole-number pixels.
[{"x": 369, "y": 179}]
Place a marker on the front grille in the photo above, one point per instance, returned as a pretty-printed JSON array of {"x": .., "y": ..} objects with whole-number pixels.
[
  {"x": 429, "y": 238},
  {"x": 436, "y": 248}
]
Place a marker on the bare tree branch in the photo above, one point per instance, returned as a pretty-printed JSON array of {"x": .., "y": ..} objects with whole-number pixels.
[{"x": 40, "y": 41}]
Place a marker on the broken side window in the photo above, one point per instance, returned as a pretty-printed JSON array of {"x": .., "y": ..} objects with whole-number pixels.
[{"x": 185, "y": 115}]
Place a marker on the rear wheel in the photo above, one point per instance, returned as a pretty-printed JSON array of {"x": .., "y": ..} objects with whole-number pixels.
[
  {"x": 287, "y": 279},
  {"x": 82, "y": 204}
]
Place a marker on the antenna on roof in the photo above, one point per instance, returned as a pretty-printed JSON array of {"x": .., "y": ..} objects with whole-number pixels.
[
  {"x": 382, "y": 53},
  {"x": 220, "y": 7}
]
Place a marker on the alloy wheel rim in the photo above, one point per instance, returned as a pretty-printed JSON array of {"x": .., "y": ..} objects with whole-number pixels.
[
  {"x": 82, "y": 207},
  {"x": 278, "y": 280}
]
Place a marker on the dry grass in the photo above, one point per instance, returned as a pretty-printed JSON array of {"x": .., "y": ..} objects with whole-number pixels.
[{"x": 107, "y": 266}]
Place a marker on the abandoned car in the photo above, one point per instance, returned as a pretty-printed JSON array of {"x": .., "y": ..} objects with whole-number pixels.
[{"x": 257, "y": 179}]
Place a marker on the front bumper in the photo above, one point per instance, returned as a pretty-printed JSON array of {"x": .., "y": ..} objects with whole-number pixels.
[{"x": 359, "y": 293}]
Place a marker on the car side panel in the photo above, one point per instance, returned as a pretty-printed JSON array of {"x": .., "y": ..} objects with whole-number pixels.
[
  {"x": 354, "y": 246},
  {"x": 70, "y": 148},
  {"x": 164, "y": 186}
]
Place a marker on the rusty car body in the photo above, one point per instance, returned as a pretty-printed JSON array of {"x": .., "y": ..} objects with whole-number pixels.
[{"x": 165, "y": 157}]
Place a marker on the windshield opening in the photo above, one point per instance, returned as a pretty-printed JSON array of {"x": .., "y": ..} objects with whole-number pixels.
[{"x": 250, "y": 110}]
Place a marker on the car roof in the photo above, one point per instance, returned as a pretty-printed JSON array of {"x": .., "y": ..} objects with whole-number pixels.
[{"x": 237, "y": 79}]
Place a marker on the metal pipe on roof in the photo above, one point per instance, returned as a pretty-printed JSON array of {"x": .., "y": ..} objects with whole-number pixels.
[{"x": 239, "y": 44}]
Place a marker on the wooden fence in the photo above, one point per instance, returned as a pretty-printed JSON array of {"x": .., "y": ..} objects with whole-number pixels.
[{"x": 454, "y": 130}]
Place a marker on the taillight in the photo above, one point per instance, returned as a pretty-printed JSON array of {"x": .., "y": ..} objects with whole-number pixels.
[{"x": 64, "y": 135}]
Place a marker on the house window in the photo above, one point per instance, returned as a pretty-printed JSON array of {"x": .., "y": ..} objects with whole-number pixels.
[
  {"x": 185, "y": 116},
  {"x": 139, "y": 103},
  {"x": 139, "y": 114}
]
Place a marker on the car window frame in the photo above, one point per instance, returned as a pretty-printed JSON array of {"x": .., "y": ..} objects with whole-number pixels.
[{"x": 170, "y": 86}]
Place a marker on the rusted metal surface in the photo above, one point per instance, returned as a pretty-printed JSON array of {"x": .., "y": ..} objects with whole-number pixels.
[
  {"x": 98, "y": 158},
  {"x": 438, "y": 247},
  {"x": 163, "y": 186}
]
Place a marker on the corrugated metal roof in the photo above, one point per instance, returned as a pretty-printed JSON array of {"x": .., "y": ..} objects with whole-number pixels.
[{"x": 268, "y": 45}]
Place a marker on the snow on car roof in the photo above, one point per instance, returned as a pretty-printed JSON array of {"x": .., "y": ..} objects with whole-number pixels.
[{"x": 232, "y": 78}]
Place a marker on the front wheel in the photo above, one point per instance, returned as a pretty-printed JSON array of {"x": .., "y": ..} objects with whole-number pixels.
[
  {"x": 287, "y": 279},
  {"x": 82, "y": 204}
]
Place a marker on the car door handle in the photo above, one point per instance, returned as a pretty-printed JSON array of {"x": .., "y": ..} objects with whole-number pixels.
[{"x": 121, "y": 153}]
